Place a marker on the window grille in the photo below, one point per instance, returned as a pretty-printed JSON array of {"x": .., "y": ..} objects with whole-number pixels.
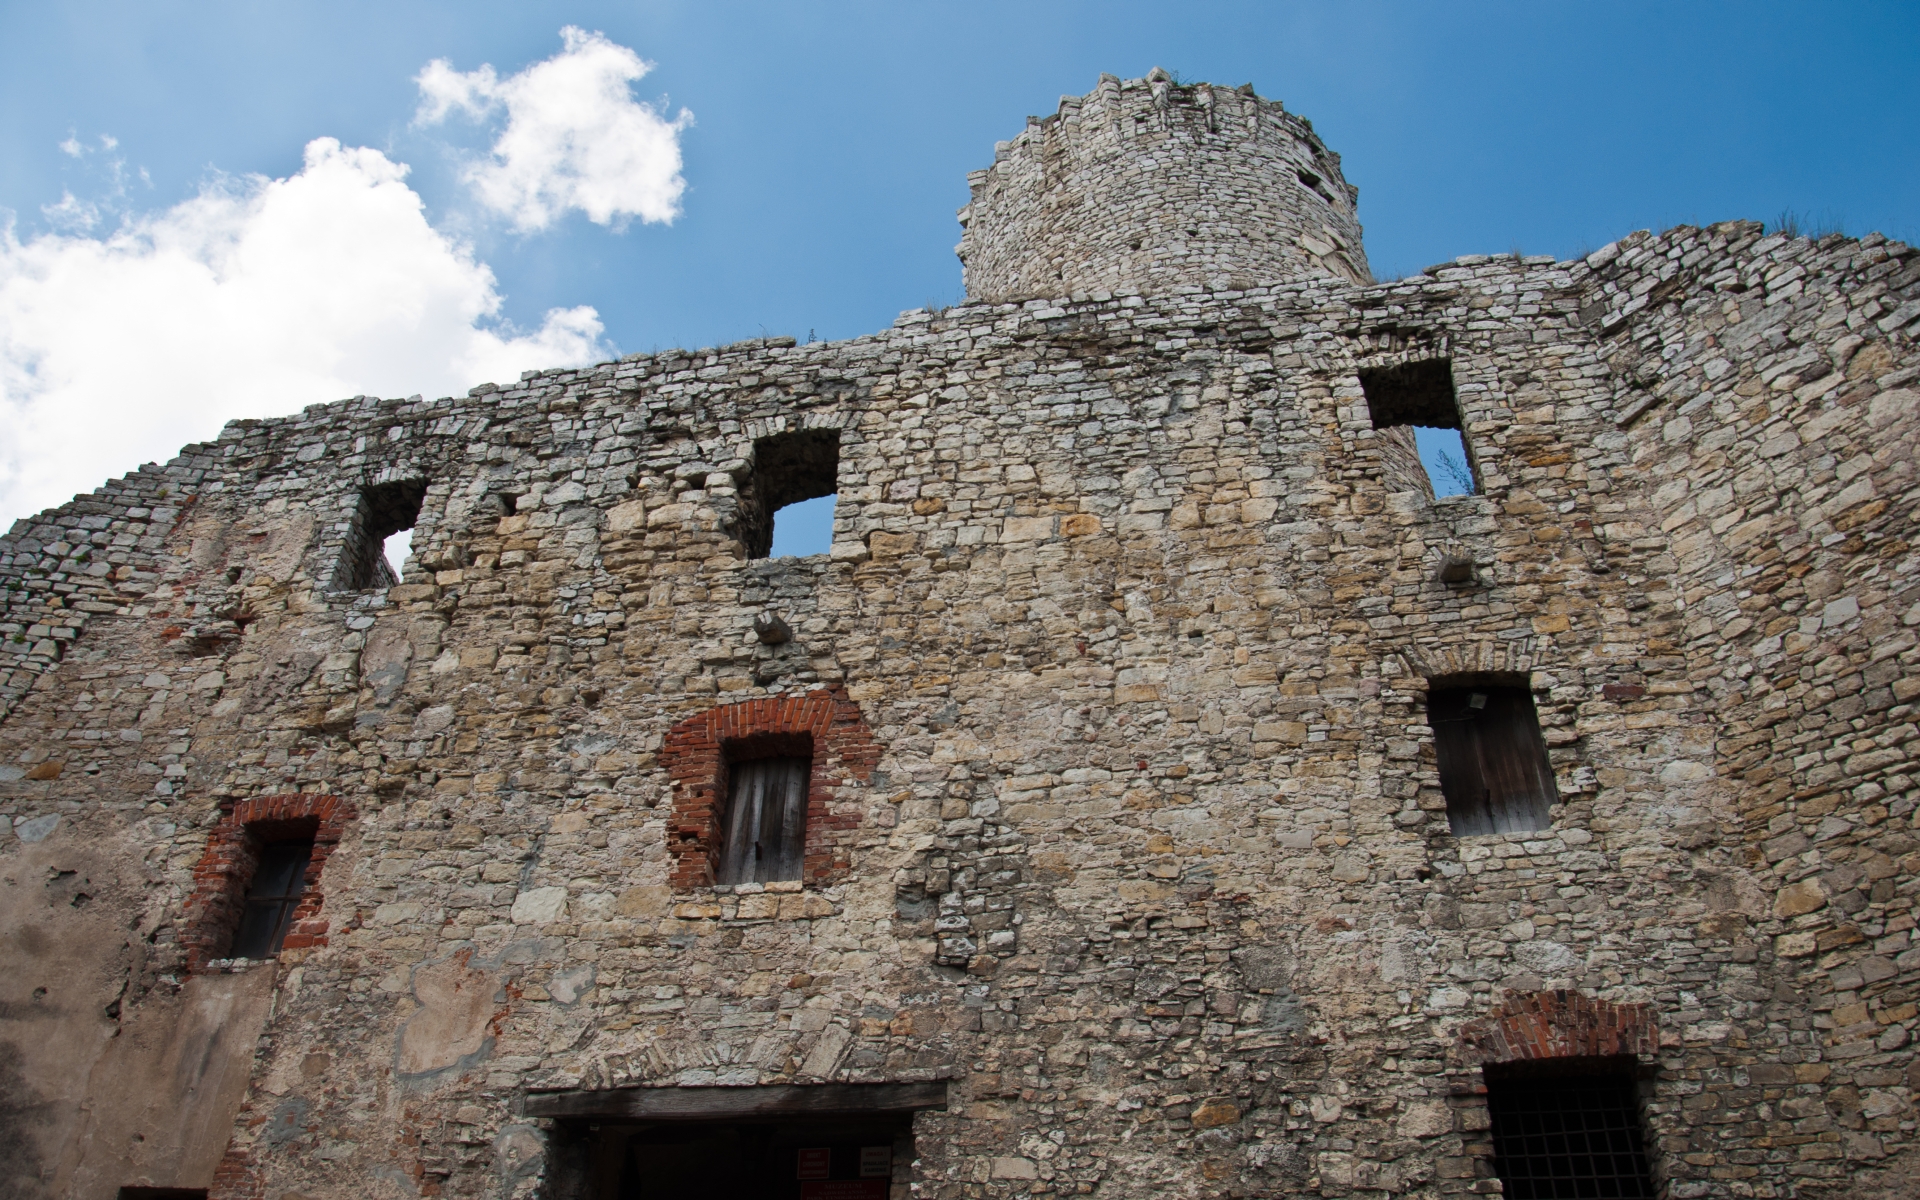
[
  {"x": 1575, "y": 1136},
  {"x": 766, "y": 820},
  {"x": 1493, "y": 761},
  {"x": 277, "y": 885}
]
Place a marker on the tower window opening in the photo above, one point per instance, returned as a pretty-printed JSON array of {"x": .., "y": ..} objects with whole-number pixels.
[
  {"x": 1568, "y": 1128},
  {"x": 1494, "y": 770},
  {"x": 380, "y": 537},
  {"x": 764, "y": 826},
  {"x": 789, "y": 470},
  {"x": 1421, "y": 395}
]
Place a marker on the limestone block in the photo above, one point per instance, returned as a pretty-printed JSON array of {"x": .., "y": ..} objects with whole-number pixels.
[
  {"x": 538, "y": 906},
  {"x": 625, "y": 518},
  {"x": 1795, "y": 899}
]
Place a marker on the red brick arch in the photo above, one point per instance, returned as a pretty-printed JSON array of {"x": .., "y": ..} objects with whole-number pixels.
[
  {"x": 696, "y": 761},
  {"x": 1559, "y": 1024},
  {"x": 226, "y": 867}
]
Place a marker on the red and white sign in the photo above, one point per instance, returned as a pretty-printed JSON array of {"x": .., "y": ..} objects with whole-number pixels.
[{"x": 816, "y": 1162}]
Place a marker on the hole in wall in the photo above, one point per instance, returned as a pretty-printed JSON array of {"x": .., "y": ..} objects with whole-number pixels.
[
  {"x": 1443, "y": 454},
  {"x": 790, "y": 468},
  {"x": 384, "y": 510},
  {"x": 1421, "y": 395},
  {"x": 845, "y": 1157},
  {"x": 274, "y": 858},
  {"x": 804, "y": 528},
  {"x": 395, "y": 550}
]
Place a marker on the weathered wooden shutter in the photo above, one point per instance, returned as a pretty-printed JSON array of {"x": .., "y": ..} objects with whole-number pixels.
[
  {"x": 1493, "y": 762},
  {"x": 766, "y": 820},
  {"x": 278, "y": 881}
]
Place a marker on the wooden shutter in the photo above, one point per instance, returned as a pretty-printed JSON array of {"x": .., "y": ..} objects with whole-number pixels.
[
  {"x": 1493, "y": 762},
  {"x": 278, "y": 882},
  {"x": 766, "y": 820}
]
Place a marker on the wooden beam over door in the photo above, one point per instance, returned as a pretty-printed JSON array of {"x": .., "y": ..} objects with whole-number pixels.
[{"x": 733, "y": 1103}]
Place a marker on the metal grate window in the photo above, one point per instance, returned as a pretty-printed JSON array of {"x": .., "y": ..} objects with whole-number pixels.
[{"x": 1569, "y": 1136}]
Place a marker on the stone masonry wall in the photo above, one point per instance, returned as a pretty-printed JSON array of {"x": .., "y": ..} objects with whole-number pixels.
[
  {"x": 1149, "y": 185},
  {"x": 1152, "y": 865}
]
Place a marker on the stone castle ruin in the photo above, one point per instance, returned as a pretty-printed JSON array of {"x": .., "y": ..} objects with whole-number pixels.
[{"x": 1156, "y": 791}]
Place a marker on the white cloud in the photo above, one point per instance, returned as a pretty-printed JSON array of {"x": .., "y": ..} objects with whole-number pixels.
[
  {"x": 71, "y": 213},
  {"x": 255, "y": 298},
  {"x": 575, "y": 137}
]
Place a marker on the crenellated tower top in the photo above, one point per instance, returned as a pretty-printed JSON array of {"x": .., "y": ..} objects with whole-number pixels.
[{"x": 1152, "y": 186}]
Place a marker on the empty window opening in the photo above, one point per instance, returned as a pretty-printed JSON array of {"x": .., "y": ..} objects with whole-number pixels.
[
  {"x": 279, "y": 880},
  {"x": 1493, "y": 762},
  {"x": 1420, "y": 395},
  {"x": 1443, "y": 455},
  {"x": 385, "y": 509},
  {"x": 764, "y": 826},
  {"x": 787, "y": 469},
  {"x": 396, "y": 549},
  {"x": 1568, "y": 1128},
  {"x": 804, "y": 528}
]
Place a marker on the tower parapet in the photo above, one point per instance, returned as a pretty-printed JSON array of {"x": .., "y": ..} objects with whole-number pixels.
[{"x": 1150, "y": 185}]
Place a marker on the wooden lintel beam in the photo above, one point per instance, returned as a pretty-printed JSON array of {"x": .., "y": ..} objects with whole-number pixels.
[{"x": 730, "y": 1103}]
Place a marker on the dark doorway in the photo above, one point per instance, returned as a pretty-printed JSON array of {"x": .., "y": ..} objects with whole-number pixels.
[
  {"x": 1568, "y": 1128},
  {"x": 843, "y": 1158}
]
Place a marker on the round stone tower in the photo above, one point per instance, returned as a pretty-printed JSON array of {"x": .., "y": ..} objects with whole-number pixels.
[{"x": 1149, "y": 185}]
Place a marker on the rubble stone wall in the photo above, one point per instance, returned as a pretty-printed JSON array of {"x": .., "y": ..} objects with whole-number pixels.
[{"x": 1148, "y": 858}]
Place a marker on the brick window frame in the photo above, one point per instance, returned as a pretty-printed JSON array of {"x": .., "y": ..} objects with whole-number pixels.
[
  {"x": 1559, "y": 1024},
  {"x": 226, "y": 866},
  {"x": 826, "y": 722},
  {"x": 1543, "y": 1034}
]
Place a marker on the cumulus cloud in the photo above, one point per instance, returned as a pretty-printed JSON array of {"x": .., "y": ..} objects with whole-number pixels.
[
  {"x": 255, "y": 298},
  {"x": 575, "y": 138}
]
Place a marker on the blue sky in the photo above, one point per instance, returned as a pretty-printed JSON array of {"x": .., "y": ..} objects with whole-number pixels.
[{"x": 825, "y": 153}]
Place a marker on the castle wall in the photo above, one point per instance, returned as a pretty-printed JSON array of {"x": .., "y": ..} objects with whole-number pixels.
[
  {"x": 1152, "y": 869},
  {"x": 1152, "y": 186}
]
